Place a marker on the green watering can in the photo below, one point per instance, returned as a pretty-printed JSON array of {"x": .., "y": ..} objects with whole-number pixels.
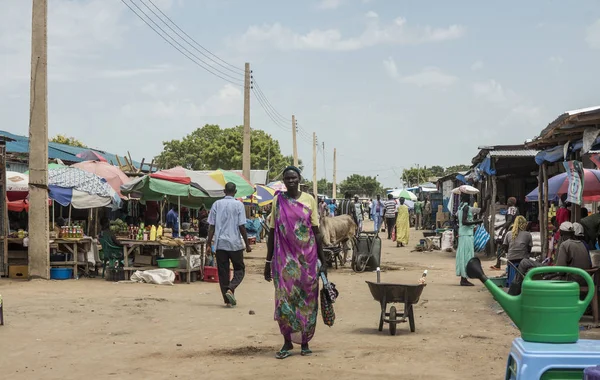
[{"x": 546, "y": 311}]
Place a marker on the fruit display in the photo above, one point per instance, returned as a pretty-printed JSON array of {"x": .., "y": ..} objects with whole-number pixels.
[{"x": 119, "y": 227}]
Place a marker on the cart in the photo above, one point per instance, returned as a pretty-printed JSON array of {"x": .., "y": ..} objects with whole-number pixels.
[
  {"x": 366, "y": 252},
  {"x": 396, "y": 293}
]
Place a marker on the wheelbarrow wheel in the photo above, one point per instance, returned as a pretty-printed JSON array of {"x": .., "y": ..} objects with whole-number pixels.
[
  {"x": 393, "y": 320},
  {"x": 411, "y": 318},
  {"x": 361, "y": 263}
]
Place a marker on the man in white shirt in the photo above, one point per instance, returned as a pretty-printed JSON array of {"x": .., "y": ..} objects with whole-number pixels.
[{"x": 227, "y": 220}]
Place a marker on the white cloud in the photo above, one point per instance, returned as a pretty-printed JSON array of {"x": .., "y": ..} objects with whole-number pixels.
[
  {"x": 477, "y": 65},
  {"x": 390, "y": 67},
  {"x": 430, "y": 77},
  {"x": 593, "y": 35},
  {"x": 557, "y": 60},
  {"x": 164, "y": 102},
  {"x": 427, "y": 77},
  {"x": 371, "y": 14},
  {"x": 492, "y": 91},
  {"x": 330, "y": 4},
  {"x": 396, "y": 33}
]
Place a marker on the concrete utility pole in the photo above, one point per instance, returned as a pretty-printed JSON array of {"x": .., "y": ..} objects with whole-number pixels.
[
  {"x": 246, "y": 146},
  {"x": 39, "y": 252},
  {"x": 334, "y": 191},
  {"x": 294, "y": 141},
  {"x": 315, "y": 164}
]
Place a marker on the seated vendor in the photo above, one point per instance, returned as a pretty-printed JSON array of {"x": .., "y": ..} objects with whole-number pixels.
[
  {"x": 107, "y": 234},
  {"x": 571, "y": 253}
]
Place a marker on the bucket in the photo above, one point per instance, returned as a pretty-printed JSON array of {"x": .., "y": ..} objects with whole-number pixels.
[{"x": 61, "y": 273}]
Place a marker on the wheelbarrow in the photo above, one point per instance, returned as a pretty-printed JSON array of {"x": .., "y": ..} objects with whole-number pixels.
[{"x": 396, "y": 293}]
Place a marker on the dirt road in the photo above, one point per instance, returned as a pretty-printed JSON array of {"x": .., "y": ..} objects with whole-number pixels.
[{"x": 91, "y": 328}]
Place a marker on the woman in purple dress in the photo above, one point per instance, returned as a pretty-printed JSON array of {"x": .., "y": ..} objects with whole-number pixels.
[{"x": 293, "y": 250}]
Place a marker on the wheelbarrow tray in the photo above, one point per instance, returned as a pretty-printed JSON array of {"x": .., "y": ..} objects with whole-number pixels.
[{"x": 385, "y": 293}]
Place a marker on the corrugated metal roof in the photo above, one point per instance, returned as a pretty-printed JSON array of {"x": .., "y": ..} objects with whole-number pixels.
[
  {"x": 57, "y": 151},
  {"x": 513, "y": 153}
]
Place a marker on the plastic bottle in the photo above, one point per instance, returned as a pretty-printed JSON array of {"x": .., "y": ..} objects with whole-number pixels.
[
  {"x": 159, "y": 231},
  {"x": 153, "y": 233}
]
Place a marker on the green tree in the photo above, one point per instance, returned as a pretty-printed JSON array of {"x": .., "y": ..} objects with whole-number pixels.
[
  {"x": 62, "y": 139},
  {"x": 210, "y": 148},
  {"x": 457, "y": 168},
  {"x": 436, "y": 171},
  {"x": 361, "y": 185},
  {"x": 323, "y": 186},
  {"x": 415, "y": 176}
]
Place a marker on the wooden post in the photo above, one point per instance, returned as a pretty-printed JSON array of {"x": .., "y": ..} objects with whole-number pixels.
[
  {"x": 315, "y": 164},
  {"x": 295, "y": 147},
  {"x": 493, "y": 216},
  {"x": 543, "y": 226},
  {"x": 545, "y": 207},
  {"x": 334, "y": 190},
  {"x": 246, "y": 141},
  {"x": 39, "y": 249}
]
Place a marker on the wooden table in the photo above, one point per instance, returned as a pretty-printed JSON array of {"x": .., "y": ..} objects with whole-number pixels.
[
  {"x": 72, "y": 246},
  {"x": 129, "y": 246}
]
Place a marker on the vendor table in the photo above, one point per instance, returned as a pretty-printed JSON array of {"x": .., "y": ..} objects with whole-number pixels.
[
  {"x": 72, "y": 246},
  {"x": 129, "y": 246}
]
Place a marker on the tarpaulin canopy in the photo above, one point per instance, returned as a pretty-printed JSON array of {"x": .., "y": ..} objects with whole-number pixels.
[
  {"x": 244, "y": 187},
  {"x": 17, "y": 182},
  {"x": 559, "y": 184}
]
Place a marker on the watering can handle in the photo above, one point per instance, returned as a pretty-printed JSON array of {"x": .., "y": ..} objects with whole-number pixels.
[{"x": 580, "y": 272}]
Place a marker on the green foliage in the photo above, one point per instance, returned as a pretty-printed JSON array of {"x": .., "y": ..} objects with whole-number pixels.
[
  {"x": 62, "y": 139},
  {"x": 210, "y": 148},
  {"x": 456, "y": 169},
  {"x": 357, "y": 184},
  {"x": 323, "y": 187},
  {"x": 416, "y": 176}
]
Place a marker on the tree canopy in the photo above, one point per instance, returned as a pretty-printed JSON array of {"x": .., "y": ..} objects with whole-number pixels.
[
  {"x": 357, "y": 184},
  {"x": 415, "y": 176},
  {"x": 323, "y": 186},
  {"x": 210, "y": 148},
  {"x": 62, "y": 139}
]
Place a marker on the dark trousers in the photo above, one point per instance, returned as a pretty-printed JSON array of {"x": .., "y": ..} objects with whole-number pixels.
[
  {"x": 391, "y": 223},
  {"x": 237, "y": 260}
]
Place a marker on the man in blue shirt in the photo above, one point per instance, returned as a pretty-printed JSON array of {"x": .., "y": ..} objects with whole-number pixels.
[
  {"x": 227, "y": 220},
  {"x": 173, "y": 220}
]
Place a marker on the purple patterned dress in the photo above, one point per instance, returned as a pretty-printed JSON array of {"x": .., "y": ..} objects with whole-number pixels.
[{"x": 294, "y": 267}]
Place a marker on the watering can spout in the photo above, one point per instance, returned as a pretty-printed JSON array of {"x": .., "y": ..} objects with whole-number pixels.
[{"x": 510, "y": 304}]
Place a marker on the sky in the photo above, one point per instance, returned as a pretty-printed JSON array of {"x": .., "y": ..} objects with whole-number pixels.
[{"x": 389, "y": 84}]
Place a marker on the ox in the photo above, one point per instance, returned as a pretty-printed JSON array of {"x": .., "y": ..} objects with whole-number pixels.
[{"x": 338, "y": 230}]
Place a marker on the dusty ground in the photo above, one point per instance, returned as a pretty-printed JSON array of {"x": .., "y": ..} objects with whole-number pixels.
[{"x": 94, "y": 329}]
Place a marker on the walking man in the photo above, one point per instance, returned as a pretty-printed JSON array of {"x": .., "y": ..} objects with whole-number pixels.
[
  {"x": 377, "y": 211},
  {"x": 359, "y": 214},
  {"x": 227, "y": 220},
  {"x": 390, "y": 214},
  {"x": 418, "y": 214}
]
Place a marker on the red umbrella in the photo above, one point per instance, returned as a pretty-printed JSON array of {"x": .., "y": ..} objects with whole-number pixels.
[
  {"x": 90, "y": 155},
  {"x": 112, "y": 174}
]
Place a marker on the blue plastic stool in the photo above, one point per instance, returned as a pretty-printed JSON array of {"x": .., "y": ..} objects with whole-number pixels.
[{"x": 529, "y": 361}]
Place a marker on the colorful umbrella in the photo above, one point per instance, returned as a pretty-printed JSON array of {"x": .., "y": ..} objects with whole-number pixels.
[
  {"x": 112, "y": 174},
  {"x": 155, "y": 189},
  {"x": 90, "y": 155},
  {"x": 201, "y": 180},
  {"x": 403, "y": 193},
  {"x": 265, "y": 195},
  {"x": 559, "y": 184},
  {"x": 81, "y": 189},
  {"x": 244, "y": 187},
  {"x": 277, "y": 186}
]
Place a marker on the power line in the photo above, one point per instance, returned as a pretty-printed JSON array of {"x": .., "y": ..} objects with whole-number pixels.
[
  {"x": 275, "y": 112},
  {"x": 268, "y": 112},
  {"x": 228, "y": 66},
  {"x": 223, "y": 76}
]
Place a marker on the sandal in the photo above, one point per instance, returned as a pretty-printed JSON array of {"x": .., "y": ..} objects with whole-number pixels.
[
  {"x": 282, "y": 354},
  {"x": 306, "y": 352}
]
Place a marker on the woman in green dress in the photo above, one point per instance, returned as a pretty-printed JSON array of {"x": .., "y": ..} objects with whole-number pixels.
[{"x": 466, "y": 249}]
